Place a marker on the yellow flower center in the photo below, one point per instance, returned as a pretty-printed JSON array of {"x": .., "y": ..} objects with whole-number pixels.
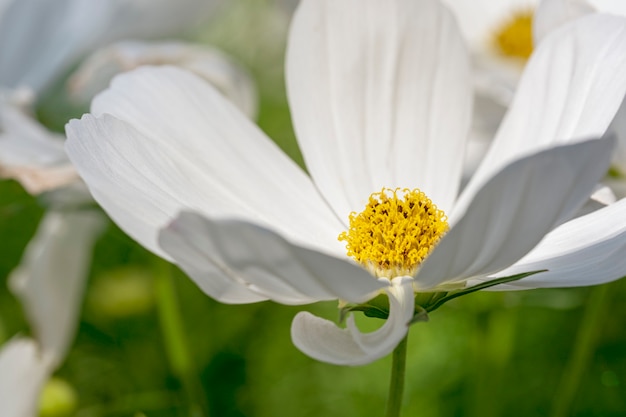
[
  {"x": 514, "y": 39},
  {"x": 395, "y": 232}
]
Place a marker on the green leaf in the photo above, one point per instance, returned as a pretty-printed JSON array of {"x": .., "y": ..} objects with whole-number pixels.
[{"x": 487, "y": 284}]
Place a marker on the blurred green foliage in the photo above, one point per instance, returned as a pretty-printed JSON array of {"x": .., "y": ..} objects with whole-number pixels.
[{"x": 484, "y": 355}]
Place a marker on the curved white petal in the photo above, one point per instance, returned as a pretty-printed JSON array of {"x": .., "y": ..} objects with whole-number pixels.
[
  {"x": 571, "y": 89},
  {"x": 29, "y": 153},
  {"x": 228, "y": 77},
  {"x": 237, "y": 262},
  {"x": 321, "y": 339},
  {"x": 551, "y": 14},
  {"x": 588, "y": 250},
  {"x": 188, "y": 147},
  {"x": 52, "y": 274},
  {"x": 515, "y": 210},
  {"x": 380, "y": 96},
  {"x": 23, "y": 373}
]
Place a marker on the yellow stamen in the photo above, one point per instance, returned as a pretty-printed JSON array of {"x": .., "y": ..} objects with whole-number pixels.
[
  {"x": 514, "y": 39},
  {"x": 395, "y": 232}
]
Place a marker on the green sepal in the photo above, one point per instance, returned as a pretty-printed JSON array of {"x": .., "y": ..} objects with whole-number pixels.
[
  {"x": 454, "y": 294},
  {"x": 377, "y": 307},
  {"x": 420, "y": 315}
]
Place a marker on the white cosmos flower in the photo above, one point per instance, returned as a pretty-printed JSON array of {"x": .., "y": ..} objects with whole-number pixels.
[
  {"x": 24, "y": 373},
  {"x": 41, "y": 39},
  {"x": 49, "y": 282},
  {"x": 500, "y": 35},
  {"x": 96, "y": 72},
  {"x": 380, "y": 96}
]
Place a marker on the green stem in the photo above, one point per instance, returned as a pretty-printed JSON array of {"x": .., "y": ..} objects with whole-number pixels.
[
  {"x": 583, "y": 349},
  {"x": 175, "y": 338},
  {"x": 396, "y": 387}
]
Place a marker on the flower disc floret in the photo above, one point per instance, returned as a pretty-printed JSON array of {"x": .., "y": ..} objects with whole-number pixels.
[
  {"x": 395, "y": 232},
  {"x": 514, "y": 39}
]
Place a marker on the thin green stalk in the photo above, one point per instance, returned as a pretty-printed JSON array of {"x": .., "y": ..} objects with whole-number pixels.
[
  {"x": 175, "y": 338},
  {"x": 583, "y": 350},
  {"x": 396, "y": 387}
]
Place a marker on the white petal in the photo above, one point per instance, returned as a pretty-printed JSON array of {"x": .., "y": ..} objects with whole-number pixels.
[
  {"x": 31, "y": 154},
  {"x": 322, "y": 340},
  {"x": 514, "y": 211},
  {"x": 617, "y": 7},
  {"x": 52, "y": 275},
  {"x": 380, "y": 96},
  {"x": 488, "y": 113},
  {"x": 237, "y": 262},
  {"x": 570, "y": 91},
  {"x": 551, "y": 14},
  {"x": 211, "y": 64},
  {"x": 588, "y": 250},
  {"x": 188, "y": 147},
  {"x": 23, "y": 372}
]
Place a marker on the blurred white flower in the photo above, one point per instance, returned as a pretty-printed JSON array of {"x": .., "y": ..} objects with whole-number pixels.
[
  {"x": 49, "y": 282},
  {"x": 29, "y": 152},
  {"x": 50, "y": 278},
  {"x": 41, "y": 39},
  {"x": 501, "y": 35},
  {"x": 96, "y": 72},
  {"x": 380, "y": 95},
  {"x": 24, "y": 373}
]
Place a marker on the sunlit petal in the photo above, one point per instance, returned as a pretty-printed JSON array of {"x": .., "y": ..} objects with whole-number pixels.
[
  {"x": 586, "y": 251},
  {"x": 380, "y": 97},
  {"x": 188, "y": 147}
]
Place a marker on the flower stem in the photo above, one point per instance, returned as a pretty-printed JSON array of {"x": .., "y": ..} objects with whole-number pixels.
[
  {"x": 396, "y": 387},
  {"x": 583, "y": 349},
  {"x": 174, "y": 336}
]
